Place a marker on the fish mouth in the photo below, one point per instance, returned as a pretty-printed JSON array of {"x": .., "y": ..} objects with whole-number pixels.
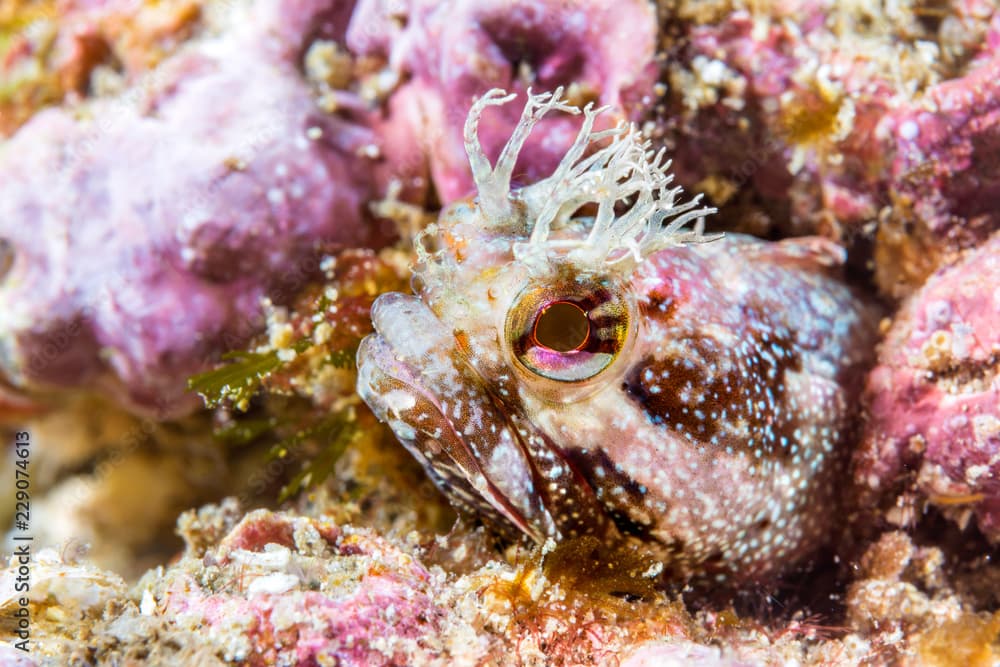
[{"x": 411, "y": 375}]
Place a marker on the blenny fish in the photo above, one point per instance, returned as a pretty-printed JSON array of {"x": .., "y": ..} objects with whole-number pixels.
[{"x": 581, "y": 358}]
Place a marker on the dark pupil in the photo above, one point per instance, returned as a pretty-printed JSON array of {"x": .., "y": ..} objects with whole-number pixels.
[{"x": 562, "y": 326}]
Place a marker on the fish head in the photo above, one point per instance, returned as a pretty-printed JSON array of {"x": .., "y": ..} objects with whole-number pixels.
[{"x": 525, "y": 311}]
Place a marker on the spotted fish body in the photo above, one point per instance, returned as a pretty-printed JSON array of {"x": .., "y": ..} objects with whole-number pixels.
[{"x": 615, "y": 374}]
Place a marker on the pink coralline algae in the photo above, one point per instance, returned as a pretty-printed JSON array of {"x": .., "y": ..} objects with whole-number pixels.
[
  {"x": 682, "y": 653},
  {"x": 12, "y": 657},
  {"x": 944, "y": 173},
  {"x": 452, "y": 52},
  {"x": 811, "y": 116},
  {"x": 283, "y": 588},
  {"x": 934, "y": 398},
  {"x": 145, "y": 229},
  {"x": 297, "y": 591}
]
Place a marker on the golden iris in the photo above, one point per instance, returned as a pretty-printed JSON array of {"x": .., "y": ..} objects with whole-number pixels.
[{"x": 568, "y": 335}]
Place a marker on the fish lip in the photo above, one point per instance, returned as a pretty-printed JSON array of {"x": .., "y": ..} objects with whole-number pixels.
[{"x": 396, "y": 354}]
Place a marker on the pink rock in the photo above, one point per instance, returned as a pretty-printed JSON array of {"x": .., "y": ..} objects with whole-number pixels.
[
  {"x": 934, "y": 397},
  {"x": 452, "y": 52},
  {"x": 682, "y": 653},
  {"x": 12, "y": 657},
  {"x": 946, "y": 150},
  {"x": 319, "y": 594},
  {"x": 146, "y": 229},
  {"x": 821, "y": 124}
]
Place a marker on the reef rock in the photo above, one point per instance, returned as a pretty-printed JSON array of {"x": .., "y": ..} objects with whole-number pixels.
[
  {"x": 142, "y": 231},
  {"x": 934, "y": 398},
  {"x": 867, "y": 125},
  {"x": 452, "y": 52}
]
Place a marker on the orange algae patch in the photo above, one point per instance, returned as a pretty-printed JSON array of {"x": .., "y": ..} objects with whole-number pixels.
[
  {"x": 811, "y": 120},
  {"x": 969, "y": 641},
  {"x": 956, "y": 499},
  {"x": 580, "y": 602},
  {"x": 905, "y": 254},
  {"x": 604, "y": 572},
  {"x": 24, "y": 89}
]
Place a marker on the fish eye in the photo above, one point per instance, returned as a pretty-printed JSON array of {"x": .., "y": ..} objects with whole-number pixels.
[{"x": 568, "y": 335}]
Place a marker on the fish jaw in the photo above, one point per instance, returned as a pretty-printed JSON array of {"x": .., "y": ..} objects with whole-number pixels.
[
  {"x": 470, "y": 433},
  {"x": 411, "y": 377}
]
